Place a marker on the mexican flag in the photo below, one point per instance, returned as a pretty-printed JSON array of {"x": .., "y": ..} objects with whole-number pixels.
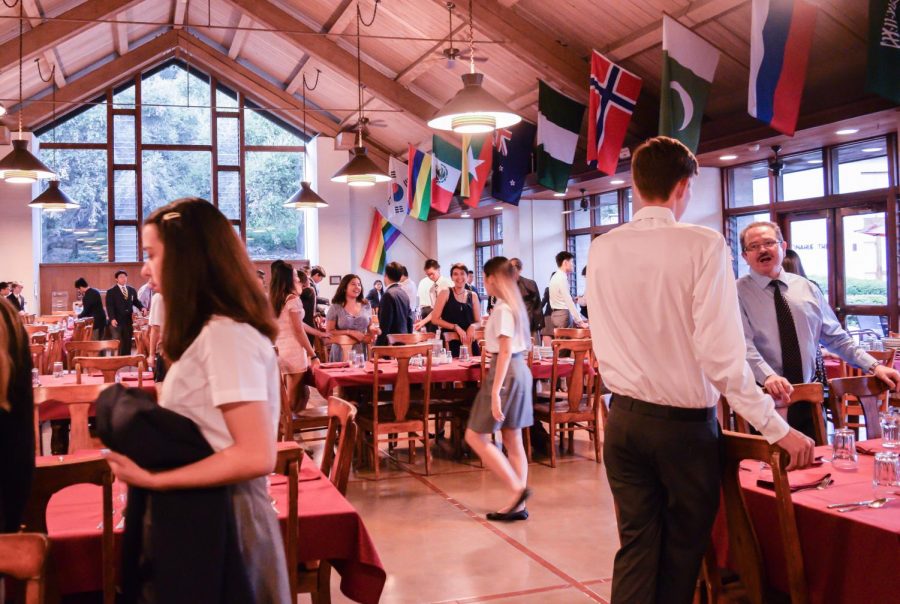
[
  {"x": 689, "y": 64},
  {"x": 446, "y": 168},
  {"x": 477, "y": 158},
  {"x": 559, "y": 122}
]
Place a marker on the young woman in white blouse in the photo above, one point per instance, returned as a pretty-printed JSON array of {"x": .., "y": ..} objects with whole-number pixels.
[
  {"x": 504, "y": 401},
  {"x": 218, "y": 334}
]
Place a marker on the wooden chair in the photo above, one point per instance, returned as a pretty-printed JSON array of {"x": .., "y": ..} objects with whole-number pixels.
[
  {"x": 290, "y": 425},
  {"x": 110, "y": 366},
  {"x": 346, "y": 343},
  {"x": 51, "y": 319},
  {"x": 28, "y": 318},
  {"x": 287, "y": 463},
  {"x": 54, "y": 349},
  {"x": 39, "y": 338},
  {"x": 51, "y": 477},
  {"x": 417, "y": 337},
  {"x": 78, "y": 328},
  {"x": 744, "y": 547},
  {"x": 813, "y": 393},
  {"x": 78, "y": 398},
  {"x": 142, "y": 341},
  {"x": 90, "y": 348},
  {"x": 571, "y": 333},
  {"x": 580, "y": 409},
  {"x": 478, "y": 335},
  {"x": 399, "y": 416},
  {"x": 871, "y": 395},
  {"x": 88, "y": 327},
  {"x": 887, "y": 357},
  {"x": 31, "y": 330},
  {"x": 339, "y": 443},
  {"x": 22, "y": 557},
  {"x": 39, "y": 357}
]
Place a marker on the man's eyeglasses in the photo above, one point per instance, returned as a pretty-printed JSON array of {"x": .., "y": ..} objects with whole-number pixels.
[{"x": 756, "y": 247}]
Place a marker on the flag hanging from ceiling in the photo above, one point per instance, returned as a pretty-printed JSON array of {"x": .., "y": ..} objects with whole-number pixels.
[
  {"x": 884, "y": 49},
  {"x": 477, "y": 158},
  {"x": 689, "y": 64},
  {"x": 559, "y": 122},
  {"x": 397, "y": 205},
  {"x": 419, "y": 183},
  {"x": 446, "y": 168},
  {"x": 781, "y": 34},
  {"x": 513, "y": 149},
  {"x": 382, "y": 236},
  {"x": 613, "y": 94}
]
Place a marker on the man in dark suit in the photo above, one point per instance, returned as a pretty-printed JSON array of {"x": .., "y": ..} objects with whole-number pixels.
[
  {"x": 532, "y": 298},
  {"x": 92, "y": 307},
  {"x": 120, "y": 300},
  {"x": 393, "y": 314},
  {"x": 15, "y": 297}
]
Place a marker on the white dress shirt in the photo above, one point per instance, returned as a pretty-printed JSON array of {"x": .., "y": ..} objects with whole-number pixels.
[
  {"x": 429, "y": 290},
  {"x": 665, "y": 321},
  {"x": 561, "y": 298},
  {"x": 409, "y": 286}
]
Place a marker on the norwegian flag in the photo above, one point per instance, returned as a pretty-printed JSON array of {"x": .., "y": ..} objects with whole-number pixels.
[{"x": 613, "y": 95}]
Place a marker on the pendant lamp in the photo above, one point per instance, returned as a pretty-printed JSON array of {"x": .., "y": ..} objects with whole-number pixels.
[
  {"x": 19, "y": 165},
  {"x": 306, "y": 197},
  {"x": 473, "y": 110},
  {"x": 360, "y": 171},
  {"x": 53, "y": 199}
]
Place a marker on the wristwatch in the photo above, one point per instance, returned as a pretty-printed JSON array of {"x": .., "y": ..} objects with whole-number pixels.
[{"x": 872, "y": 367}]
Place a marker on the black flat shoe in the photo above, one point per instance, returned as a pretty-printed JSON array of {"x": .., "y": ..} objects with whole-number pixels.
[{"x": 508, "y": 516}]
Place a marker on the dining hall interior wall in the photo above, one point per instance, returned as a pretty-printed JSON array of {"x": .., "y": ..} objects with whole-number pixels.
[{"x": 18, "y": 254}]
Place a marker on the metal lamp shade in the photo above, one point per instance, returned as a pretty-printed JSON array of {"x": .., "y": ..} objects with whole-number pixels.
[
  {"x": 53, "y": 199},
  {"x": 360, "y": 171},
  {"x": 305, "y": 198},
  {"x": 20, "y": 166},
  {"x": 474, "y": 110}
]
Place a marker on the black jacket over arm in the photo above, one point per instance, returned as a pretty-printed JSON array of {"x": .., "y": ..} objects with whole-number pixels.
[
  {"x": 194, "y": 550},
  {"x": 393, "y": 314},
  {"x": 92, "y": 307},
  {"x": 532, "y": 298},
  {"x": 118, "y": 308},
  {"x": 14, "y": 300}
]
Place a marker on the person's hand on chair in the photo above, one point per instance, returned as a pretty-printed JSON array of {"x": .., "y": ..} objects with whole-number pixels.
[{"x": 800, "y": 447}]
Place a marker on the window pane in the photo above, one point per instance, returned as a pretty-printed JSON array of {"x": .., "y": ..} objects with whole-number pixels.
[
  {"x": 124, "y": 98},
  {"x": 629, "y": 204},
  {"x": 578, "y": 218},
  {"x": 606, "y": 208},
  {"x": 227, "y": 142},
  {"x": 169, "y": 175},
  {"x": 865, "y": 259},
  {"x": 124, "y": 190},
  {"x": 803, "y": 176},
  {"x": 749, "y": 185},
  {"x": 862, "y": 166},
  {"x": 82, "y": 126},
  {"x": 809, "y": 238},
  {"x": 579, "y": 245},
  {"x": 123, "y": 139},
  {"x": 273, "y": 231},
  {"x": 175, "y": 125},
  {"x": 78, "y": 235},
  {"x": 225, "y": 98},
  {"x": 260, "y": 128},
  {"x": 878, "y": 324},
  {"x": 736, "y": 224},
  {"x": 483, "y": 229},
  {"x": 498, "y": 226},
  {"x": 230, "y": 195},
  {"x": 126, "y": 244}
]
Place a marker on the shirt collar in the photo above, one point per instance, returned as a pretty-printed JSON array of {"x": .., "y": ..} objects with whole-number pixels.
[
  {"x": 762, "y": 281},
  {"x": 654, "y": 212}
]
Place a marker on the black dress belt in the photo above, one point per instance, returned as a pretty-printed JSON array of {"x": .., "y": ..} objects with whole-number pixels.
[{"x": 627, "y": 403}]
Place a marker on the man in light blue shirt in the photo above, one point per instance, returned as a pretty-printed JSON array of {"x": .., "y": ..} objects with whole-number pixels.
[{"x": 782, "y": 350}]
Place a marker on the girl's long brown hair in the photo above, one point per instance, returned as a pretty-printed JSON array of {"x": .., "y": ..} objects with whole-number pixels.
[
  {"x": 14, "y": 354},
  {"x": 340, "y": 296},
  {"x": 205, "y": 272},
  {"x": 281, "y": 286}
]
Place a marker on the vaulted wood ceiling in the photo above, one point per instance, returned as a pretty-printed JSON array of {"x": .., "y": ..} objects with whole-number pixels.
[{"x": 265, "y": 46}]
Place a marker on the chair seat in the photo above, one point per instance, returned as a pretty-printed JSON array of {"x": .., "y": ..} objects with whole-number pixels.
[
  {"x": 386, "y": 416},
  {"x": 562, "y": 407}
]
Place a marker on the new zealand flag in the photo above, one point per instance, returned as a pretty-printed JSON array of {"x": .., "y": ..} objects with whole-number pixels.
[{"x": 513, "y": 150}]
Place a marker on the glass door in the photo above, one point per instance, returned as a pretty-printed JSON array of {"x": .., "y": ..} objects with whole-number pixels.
[{"x": 809, "y": 234}]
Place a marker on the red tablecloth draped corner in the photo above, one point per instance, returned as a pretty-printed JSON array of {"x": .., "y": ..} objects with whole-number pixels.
[{"x": 54, "y": 410}]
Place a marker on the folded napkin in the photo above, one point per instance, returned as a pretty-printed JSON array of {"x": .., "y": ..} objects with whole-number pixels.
[
  {"x": 798, "y": 479},
  {"x": 336, "y": 365},
  {"x": 870, "y": 447}
]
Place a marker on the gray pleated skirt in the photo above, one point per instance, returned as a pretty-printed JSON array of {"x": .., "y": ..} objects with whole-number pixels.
[{"x": 515, "y": 399}]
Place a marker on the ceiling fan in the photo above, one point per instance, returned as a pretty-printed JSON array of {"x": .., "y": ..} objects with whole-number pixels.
[
  {"x": 583, "y": 206},
  {"x": 452, "y": 55},
  {"x": 363, "y": 123},
  {"x": 776, "y": 165}
]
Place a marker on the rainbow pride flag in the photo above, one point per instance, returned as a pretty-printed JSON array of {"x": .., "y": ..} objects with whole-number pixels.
[
  {"x": 381, "y": 238},
  {"x": 419, "y": 186}
]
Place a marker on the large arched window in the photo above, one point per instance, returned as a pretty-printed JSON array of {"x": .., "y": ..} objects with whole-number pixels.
[{"x": 171, "y": 132}]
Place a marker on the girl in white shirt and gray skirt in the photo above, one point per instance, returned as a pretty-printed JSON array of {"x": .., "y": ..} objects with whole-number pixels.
[{"x": 504, "y": 402}]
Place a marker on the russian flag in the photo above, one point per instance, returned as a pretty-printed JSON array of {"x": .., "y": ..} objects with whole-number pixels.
[{"x": 781, "y": 34}]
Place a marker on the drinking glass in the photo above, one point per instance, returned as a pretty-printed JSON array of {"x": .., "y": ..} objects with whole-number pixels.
[
  {"x": 885, "y": 474},
  {"x": 464, "y": 353},
  {"x": 890, "y": 429},
  {"x": 57, "y": 369},
  {"x": 843, "y": 455},
  {"x": 35, "y": 378}
]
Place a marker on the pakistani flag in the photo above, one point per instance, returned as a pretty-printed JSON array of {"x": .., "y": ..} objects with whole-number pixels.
[
  {"x": 689, "y": 63},
  {"x": 446, "y": 168},
  {"x": 883, "y": 67},
  {"x": 559, "y": 122}
]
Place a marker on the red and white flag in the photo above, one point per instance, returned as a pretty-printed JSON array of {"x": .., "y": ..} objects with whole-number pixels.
[{"x": 613, "y": 94}]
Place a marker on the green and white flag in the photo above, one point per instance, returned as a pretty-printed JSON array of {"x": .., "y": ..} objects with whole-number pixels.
[
  {"x": 689, "y": 64},
  {"x": 883, "y": 66},
  {"x": 559, "y": 122}
]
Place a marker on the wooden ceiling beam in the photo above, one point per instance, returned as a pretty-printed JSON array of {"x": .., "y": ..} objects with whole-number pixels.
[
  {"x": 120, "y": 35},
  {"x": 296, "y": 82},
  {"x": 424, "y": 62},
  {"x": 240, "y": 36},
  {"x": 340, "y": 19},
  {"x": 51, "y": 57},
  {"x": 335, "y": 57},
  {"x": 179, "y": 14}
]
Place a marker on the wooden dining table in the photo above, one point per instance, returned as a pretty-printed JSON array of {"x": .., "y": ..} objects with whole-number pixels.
[
  {"x": 51, "y": 409},
  {"x": 329, "y": 529},
  {"x": 849, "y": 557}
]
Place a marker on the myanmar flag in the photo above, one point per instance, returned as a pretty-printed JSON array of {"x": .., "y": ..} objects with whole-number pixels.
[
  {"x": 381, "y": 237},
  {"x": 419, "y": 184},
  {"x": 559, "y": 122},
  {"x": 477, "y": 157},
  {"x": 689, "y": 64},
  {"x": 446, "y": 168}
]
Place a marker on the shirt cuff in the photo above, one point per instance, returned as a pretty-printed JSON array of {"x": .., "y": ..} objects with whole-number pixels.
[
  {"x": 775, "y": 429},
  {"x": 864, "y": 360}
]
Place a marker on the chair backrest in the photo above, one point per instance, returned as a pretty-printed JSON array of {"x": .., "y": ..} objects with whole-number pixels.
[
  {"x": 887, "y": 357},
  {"x": 478, "y": 334},
  {"x": 51, "y": 319},
  {"x": 78, "y": 328},
  {"x": 744, "y": 546},
  {"x": 142, "y": 340},
  {"x": 871, "y": 393},
  {"x": 78, "y": 398},
  {"x": 35, "y": 329},
  {"x": 91, "y": 348},
  {"x": 571, "y": 333},
  {"x": 287, "y": 462},
  {"x": 339, "y": 442},
  {"x": 346, "y": 343},
  {"x": 22, "y": 557},
  {"x": 813, "y": 393},
  {"x": 39, "y": 338},
  {"x": 450, "y": 336},
  {"x": 54, "y": 348},
  {"x": 38, "y": 357},
  {"x": 579, "y": 383},
  {"x": 50, "y": 477},
  {"x": 484, "y": 357},
  {"x": 400, "y": 398},
  {"x": 408, "y": 338},
  {"x": 28, "y": 318},
  {"x": 110, "y": 366}
]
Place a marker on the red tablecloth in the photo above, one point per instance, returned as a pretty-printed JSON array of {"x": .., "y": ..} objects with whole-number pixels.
[
  {"x": 53, "y": 410},
  {"x": 848, "y": 557},
  {"x": 329, "y": 529},
  {"x": 833, "y": 367}
]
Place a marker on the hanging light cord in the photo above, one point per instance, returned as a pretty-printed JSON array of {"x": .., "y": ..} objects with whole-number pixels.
[
  {"x": 21, "y": 54},
  {"x": 359, "y": 85},
  {"x": 307, "y": 88},
  {"x": 471, "y": 40},
  {"x": 47, "y": 80}
]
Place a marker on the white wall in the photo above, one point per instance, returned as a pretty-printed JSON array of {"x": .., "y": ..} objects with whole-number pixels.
[
  {"x": 706, "y": 200},
  {"x": 18, "y": 230},
  {"x": 455, "y": 243}
]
